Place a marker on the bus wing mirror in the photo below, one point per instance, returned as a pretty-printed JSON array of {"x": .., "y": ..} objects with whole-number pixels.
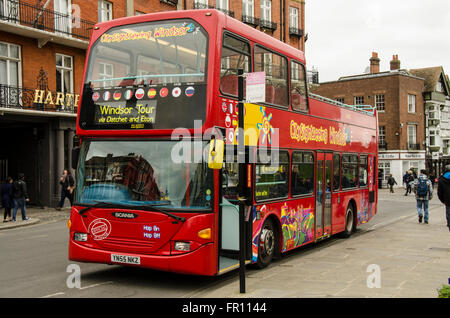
[
  {"x": 216, "y": 150},
  {"x": 75, "y": 156}
]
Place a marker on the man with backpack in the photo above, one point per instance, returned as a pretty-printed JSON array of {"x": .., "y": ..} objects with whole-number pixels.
[{"x": 424, "y": 192}]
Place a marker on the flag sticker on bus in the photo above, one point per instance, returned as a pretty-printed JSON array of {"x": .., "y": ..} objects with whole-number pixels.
[
  {"x": 189, "y": 91},
  {"x": 176, "y": 92},
  {"x": 117, "y": 95},
  {"x": 95, "y": 96},
  {"x": 151, "y": 93},
  {"x": 139, "y": 93},
  {"x": 164, "y": 92},
  {"x": 128, "y": 94},
  {"x": 106, "y": 96}
]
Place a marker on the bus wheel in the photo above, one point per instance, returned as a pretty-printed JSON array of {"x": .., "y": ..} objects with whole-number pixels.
[
  {"x": 267, "y": 244},
  {"x": 349, "y": 222}
]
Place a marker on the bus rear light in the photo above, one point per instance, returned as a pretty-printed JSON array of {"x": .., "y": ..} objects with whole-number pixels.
[
  {"x": 182, "y": 246},
  {"x": 80, "y": 237},
  {"x": 205, "y": 234}
]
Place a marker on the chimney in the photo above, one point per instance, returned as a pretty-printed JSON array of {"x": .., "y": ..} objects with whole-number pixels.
[
  {"x": 374, "y": 63},
  {"x": 395, "y": 63}
]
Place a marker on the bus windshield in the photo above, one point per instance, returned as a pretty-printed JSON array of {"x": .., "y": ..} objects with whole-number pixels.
[
  {"x": 139, "y": 75},
  {"x": 142, "y": 173}
]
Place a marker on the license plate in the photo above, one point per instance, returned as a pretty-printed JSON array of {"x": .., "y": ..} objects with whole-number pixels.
[{"x": 125, "y": 259}]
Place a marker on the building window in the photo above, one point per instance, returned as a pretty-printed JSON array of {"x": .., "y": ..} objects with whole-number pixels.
[
  {"x": 411, "y": 103},
  {"x": 105, "y": 11},
  {"x": 64, "y": 73},
  {"x": 340, "y": 100},
  {"x": 248, "y": 7},
  {"x": 222, "y": 4},
  {"x": 10, "y": 64},
  {"x": 382, "y": 137},
  {"x": 9, "y": 10},
  {"x": 293, "y": 17},
  {"x": 412, "y": 137},
  {"x": 359, "y": 100},
  {"x": 63, "y": 19},
  {"x": 379, "y": 102},
  {"x": 266, "y": 10}
]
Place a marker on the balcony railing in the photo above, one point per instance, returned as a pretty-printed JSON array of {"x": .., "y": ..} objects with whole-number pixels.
[
  {"x": 200, "y": 5},
  {"x": 268, "y": 24},
  {"x": 295, "y": 31},
  {"x": 250, "y": 20},
  {"x": 25, "y": 98},
  {"x": 48, "y": 20}
]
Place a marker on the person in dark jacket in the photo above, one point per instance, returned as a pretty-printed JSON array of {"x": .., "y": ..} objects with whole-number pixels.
[
  {"x": 67, "y": 185},
  {"x": 20, "y": 197},
  {"x": 391, "y": 181},
  {"x": 409, "y": 182},
  {"x": 444, "y": 192},
  {"x": 7, "y": 198}
]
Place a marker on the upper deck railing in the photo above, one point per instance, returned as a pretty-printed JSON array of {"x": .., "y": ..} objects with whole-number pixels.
[{"x": 366, "y": 109}]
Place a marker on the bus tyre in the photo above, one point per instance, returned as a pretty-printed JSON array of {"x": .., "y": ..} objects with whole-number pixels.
[
  {"x": 267, "y": 245},
  {"x": 349, "y": 222}
]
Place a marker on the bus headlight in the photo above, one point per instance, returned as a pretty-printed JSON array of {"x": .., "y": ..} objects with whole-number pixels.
[
  {"x": 80, "y": 237},
  {"x": 182, "y": 246}
]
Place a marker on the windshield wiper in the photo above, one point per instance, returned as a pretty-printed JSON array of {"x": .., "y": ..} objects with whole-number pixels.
[{"x": 147, "y": 207}]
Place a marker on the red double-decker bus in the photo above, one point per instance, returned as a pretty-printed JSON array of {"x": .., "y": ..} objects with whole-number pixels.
[{"x": 156, "y": 87}]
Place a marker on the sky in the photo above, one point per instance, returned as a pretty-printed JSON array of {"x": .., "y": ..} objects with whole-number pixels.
[{"x": 343, "y": 34}]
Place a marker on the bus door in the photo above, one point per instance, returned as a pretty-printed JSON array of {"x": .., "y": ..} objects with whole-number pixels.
[
  {"x": 229, "y": 218},
  {"x": 323, "y": 195}
]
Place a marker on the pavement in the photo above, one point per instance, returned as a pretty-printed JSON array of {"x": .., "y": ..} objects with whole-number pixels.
[
  {"x": 400, "y": 258},
  {"x": 36, "y": 215}
]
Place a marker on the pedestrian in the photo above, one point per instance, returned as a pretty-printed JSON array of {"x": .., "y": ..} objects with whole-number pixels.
[
  {"x": 67, "y": 183},
  {"x": 20, "y": 197},
  {"x": 444, "y": 192},
  {"x": 409, "y": 180},
  {"x": 7, "y": 198},
  {"x": 424, "y": 192},
  {"x": 391, "y": 181}
]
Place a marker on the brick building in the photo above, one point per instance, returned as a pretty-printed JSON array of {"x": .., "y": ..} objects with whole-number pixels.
[
  {"x": 43, "y": 45},
  {"x": 397, "y": 95}
]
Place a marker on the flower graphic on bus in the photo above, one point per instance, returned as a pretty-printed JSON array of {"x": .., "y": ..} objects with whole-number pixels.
[{"x": 265, "y": 126}]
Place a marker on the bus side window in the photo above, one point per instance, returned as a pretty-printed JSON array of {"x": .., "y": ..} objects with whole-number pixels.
[
  {"x": 302, "y": 173},
  {"x": 235, "y": 55},
  {"x": 349, "y": 175},
  {"x": 363, "y": 171},
  {"x": 275, "y": 66},
  {"x": 336, "y": 172},
  {"x": 298, "y": 87},
  {"x": 272, "y": 179}
]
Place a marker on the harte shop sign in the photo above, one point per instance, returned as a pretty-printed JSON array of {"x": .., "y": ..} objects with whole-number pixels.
[{"x": 59, "y": 99}]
